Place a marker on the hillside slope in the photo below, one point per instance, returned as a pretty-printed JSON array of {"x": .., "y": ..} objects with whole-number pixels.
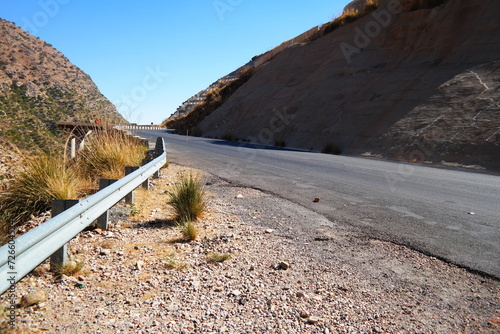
[
  {"x": 39, "y": 86},
  {"x": 414, "y": 85}
]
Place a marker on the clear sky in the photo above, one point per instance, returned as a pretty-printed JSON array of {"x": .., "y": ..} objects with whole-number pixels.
[{"x": 149, "y": 56}]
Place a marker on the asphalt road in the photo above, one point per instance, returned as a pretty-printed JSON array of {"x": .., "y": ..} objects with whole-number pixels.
[{"x": 450, "y": 214}]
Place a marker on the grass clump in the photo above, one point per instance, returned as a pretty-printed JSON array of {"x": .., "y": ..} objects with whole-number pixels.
[
  {"x": 134, "y": 210},
  {"x": 218, "y": 257},
  {"x": 189, "y": 230},
  {"x": 174, "y": 263},
  {"x": 44, "y": 178},
  {"x": 69, "y": 269},
  {"x": 108, "y": 152},
  {"x": 187, "y": 197}
]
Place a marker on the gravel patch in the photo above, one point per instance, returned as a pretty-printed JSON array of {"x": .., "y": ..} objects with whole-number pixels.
[{"x": 289, "y": 271}]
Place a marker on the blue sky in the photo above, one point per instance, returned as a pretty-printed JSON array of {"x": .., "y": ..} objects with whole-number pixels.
[{"x": 148, "y": 56}]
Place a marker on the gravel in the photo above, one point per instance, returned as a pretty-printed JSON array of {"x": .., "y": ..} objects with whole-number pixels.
[{"x": 290, "y": 271}]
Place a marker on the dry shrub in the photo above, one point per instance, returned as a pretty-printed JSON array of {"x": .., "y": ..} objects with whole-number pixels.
[
  {"x": 44, "y": 178},
  {"x": 347, "y": 16},
  {"x": 370, "y": 6},
  {"x": 108, "y": 152},
  {"x": 70, "y": 268},
  {"x": 218, "y": 258},
  {"x": 189, "y": 230}
]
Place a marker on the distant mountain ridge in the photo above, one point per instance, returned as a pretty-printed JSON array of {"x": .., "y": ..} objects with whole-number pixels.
[{"x": 39, "y": 86}]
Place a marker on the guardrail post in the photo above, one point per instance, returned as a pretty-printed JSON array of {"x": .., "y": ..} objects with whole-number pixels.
[
  {"x": 60, "y": 257},
  {"x": 159, "y": 149},
  {"x": 103, "y": 220},
  {"x": 129, "y": 198}
]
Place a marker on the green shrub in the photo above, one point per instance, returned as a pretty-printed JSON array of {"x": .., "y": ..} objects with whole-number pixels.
[{"x": 187, "y": 197}]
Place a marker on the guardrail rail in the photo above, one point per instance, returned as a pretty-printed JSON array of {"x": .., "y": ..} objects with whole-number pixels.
[{"x": 21, "y": 255}]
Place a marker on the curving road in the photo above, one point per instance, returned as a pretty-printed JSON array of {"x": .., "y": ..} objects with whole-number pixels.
[{"x": 450, "y": 214}]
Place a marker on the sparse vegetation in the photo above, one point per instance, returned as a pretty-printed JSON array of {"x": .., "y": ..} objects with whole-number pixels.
[
  {"x": 48, "y": 176},
  {"x": 45, "y": 178},
  {"x": 189, "y": 230},
  {"x": 371, "y": 5},
  {"x": 70, "y": 268},
  {"x": 134, "y": 210},
  {"x": 346, "y": 17},
  {"x": 218, "y": 257},
  {"x": 108, "y": 152},
  {"x": 187, "y": 197},
  {"x": 213, "y": 100},
  {"x": 174, "y": 263}
]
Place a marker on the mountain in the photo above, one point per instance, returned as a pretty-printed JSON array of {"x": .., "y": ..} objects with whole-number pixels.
[
  {"x": 39, "y": 86},
  {"x": 411, "y": 80}
]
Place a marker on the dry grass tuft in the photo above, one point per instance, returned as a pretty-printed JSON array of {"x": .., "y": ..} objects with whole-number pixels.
[
  {"x": 174, "y": 263},
  {"x": 187, "y": 197},
  {"x": 70, "y": 268},
  {"x": 107, "y": 153},
  {"x": 218, "y": 258},
  {"x": 45, "y": 178},
  {"x": 189, "y": 230}
]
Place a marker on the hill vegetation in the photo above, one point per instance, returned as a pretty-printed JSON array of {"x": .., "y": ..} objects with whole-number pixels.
[{"x": 39, "y": 86}]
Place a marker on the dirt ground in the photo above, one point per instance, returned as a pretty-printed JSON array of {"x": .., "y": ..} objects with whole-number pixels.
[{"x": 289, "y": 271}]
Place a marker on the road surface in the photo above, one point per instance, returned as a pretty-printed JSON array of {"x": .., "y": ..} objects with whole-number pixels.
[{"x": 451, "y": 214}]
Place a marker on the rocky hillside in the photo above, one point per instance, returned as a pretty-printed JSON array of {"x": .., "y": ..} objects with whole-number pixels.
[
  {"x": 413, "y": 80},
  {"x": 39, "y": 86}
]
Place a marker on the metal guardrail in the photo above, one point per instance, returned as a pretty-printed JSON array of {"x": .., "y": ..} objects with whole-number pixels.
[
  {"x": 20, "y": 256},
  {"x": 139, "y": 127}
]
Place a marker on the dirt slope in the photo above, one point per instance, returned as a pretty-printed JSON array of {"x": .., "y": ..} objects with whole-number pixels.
[{"x": 412, "y": 85}]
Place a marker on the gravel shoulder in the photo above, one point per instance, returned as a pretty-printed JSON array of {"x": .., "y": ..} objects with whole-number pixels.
[{"x": 283, "y": 276}]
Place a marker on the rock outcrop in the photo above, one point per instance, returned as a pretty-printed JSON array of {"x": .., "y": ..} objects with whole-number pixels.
[{"x": 402, "y": 83}]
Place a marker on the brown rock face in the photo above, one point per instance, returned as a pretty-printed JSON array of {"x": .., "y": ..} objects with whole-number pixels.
[{"x": 421, "y": 85}]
